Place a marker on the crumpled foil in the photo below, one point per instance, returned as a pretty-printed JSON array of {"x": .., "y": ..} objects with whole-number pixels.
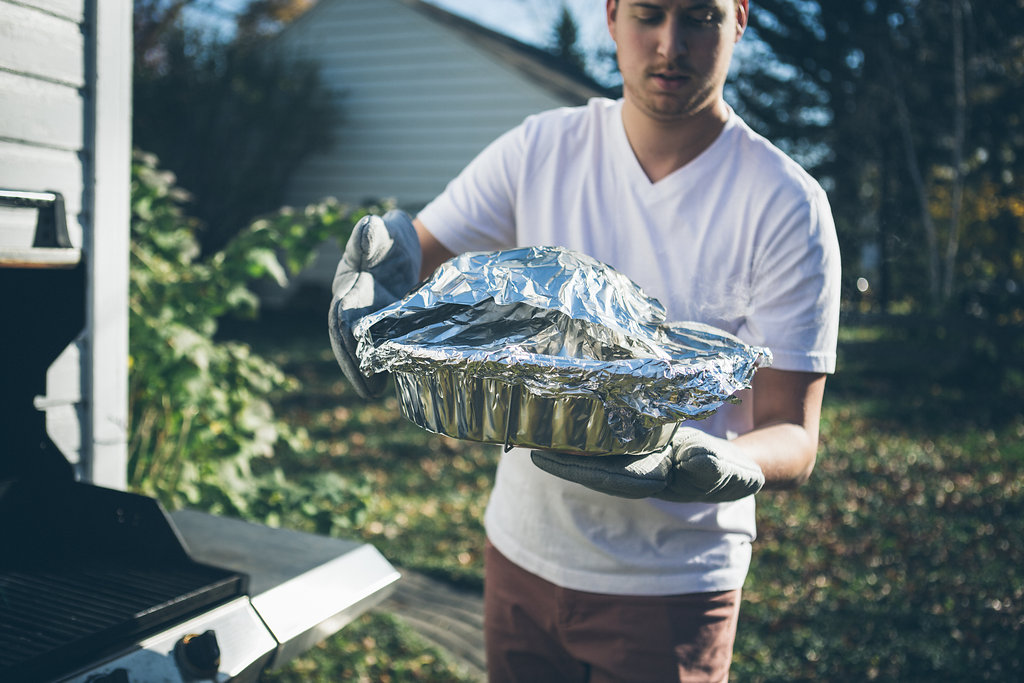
[{"x": 544, "y": 347}]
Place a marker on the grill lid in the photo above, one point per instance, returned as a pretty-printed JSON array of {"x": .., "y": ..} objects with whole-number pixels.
[
  {"x": 42, "y": 306},
  {"x": 87, "y": 569}
]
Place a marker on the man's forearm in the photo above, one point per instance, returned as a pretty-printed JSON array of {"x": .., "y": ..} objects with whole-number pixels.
[
  {"x": 786, "y": 411},
  {"x": 785, "y": 452},
  {"x": 434, "y": 253}
]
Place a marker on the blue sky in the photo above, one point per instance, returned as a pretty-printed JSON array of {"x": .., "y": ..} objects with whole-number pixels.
[
  {"x": 526, "y": 20},
  {"x": 531, "y": 20}
]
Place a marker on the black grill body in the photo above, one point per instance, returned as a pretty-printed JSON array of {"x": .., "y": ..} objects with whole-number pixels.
[{"x": 84, "y": 570}]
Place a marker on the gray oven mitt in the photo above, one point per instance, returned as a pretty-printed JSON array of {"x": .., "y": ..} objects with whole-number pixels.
[
  {"x": 380, "y": 264},
  {"x": 695, "y": 467}
]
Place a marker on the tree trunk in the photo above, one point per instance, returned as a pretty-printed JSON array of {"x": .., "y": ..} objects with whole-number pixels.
[
  {"x": 959, "y": 136},
  {"x": 906, "y": 128}
]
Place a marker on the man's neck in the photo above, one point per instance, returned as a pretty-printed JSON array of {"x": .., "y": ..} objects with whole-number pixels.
[{"x": 662, "y": 147}]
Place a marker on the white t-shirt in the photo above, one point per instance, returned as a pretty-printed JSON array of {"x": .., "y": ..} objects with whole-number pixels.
[{"x": 741, "y": 238}]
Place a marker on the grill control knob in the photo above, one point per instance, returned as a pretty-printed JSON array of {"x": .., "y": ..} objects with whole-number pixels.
[{"x": 198, "y": 654}]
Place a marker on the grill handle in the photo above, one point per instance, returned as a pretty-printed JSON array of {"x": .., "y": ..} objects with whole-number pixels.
[{"x": 51, "y": 246}]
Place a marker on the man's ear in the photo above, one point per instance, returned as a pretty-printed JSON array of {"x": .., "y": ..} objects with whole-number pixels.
[
  {"x": 610, "y": 8},
  {"x": 742, "y": 14}
]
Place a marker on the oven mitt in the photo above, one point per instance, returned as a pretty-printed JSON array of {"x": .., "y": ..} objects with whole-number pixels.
[
  {"x": 695, "y": 467},
  {"x": 380, "y": 264}
]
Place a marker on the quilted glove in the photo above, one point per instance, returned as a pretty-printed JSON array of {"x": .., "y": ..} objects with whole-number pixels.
[
  {"x": 380, "y": 264},
  {"x": 695, "y": 467}
]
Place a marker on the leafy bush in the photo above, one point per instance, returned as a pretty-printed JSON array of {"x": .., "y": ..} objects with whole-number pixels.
[
  {"x": 232, "y": 120},
  {"x": 203, "y": 430}
]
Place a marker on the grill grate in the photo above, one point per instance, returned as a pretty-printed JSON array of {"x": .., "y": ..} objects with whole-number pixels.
[
  {"x": 63, "y": 618},
  {"x": 87, "y": 571}
]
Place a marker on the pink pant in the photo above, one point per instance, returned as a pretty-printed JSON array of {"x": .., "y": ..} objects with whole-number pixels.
[{"x": 536, "y": 632}]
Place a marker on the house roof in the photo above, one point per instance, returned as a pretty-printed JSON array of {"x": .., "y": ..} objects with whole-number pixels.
[{"x": 541, "y": 66}]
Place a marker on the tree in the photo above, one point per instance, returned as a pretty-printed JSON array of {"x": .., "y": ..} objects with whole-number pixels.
[
  {"x": 903, "y": 110},
  {"x": 564, "y": 41},
  {"x": 262, "y": 18},
  {"x": 152, "y": 20},
  {"x": 232, "y": 120}
]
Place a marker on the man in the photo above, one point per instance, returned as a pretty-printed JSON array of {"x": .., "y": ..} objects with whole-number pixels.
[{"x": 630, "y": 568}]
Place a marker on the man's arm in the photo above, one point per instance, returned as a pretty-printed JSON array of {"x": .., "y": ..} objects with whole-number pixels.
[
  {"x": 434, "y": 253},
  {"x": 787, "y": 409}
]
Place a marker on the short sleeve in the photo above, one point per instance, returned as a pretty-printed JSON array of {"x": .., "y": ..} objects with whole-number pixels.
[{"x": 794, "y": 306}]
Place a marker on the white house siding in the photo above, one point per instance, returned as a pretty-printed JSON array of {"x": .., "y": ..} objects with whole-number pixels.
[
  {"x": 65, "y": 126},
  {"x": 418, "y": 100},
  {"x": 42, "y": 74}
]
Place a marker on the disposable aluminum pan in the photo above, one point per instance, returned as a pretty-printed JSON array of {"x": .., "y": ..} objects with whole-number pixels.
[{"x": 543, "y": 347}]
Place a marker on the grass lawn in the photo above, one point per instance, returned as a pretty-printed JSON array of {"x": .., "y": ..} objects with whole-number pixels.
[{"x": 901, "y": 559}]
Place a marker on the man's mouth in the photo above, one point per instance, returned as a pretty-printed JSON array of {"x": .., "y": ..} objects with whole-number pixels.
[{"x": 670, "y": 79}]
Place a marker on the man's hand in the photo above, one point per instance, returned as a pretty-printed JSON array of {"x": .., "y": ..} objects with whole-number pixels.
[
  {"x": 380, "y": 264},
  {"x": 695, "y": 467}
]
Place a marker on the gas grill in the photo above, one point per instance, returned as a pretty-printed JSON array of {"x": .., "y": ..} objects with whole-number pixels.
[{"x": 98, "y": 584}]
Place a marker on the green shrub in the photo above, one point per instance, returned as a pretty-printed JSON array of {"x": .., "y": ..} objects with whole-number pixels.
[{"x": 202, "y": 429}]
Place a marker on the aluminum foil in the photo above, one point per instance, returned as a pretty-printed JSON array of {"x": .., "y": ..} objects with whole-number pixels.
[{"x": 544, "y": 347}]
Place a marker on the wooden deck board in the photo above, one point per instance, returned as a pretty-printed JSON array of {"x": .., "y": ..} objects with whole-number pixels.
[{"x": 451, "y": 618}]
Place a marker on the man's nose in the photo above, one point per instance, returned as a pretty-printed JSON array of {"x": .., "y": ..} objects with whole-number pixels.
[{"x": 672, "y": 40}]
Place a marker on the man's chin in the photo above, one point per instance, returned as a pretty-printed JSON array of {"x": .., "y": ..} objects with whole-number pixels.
[
  {"x": 672, "y": 107},
  {"x": 671, "y": 111}
]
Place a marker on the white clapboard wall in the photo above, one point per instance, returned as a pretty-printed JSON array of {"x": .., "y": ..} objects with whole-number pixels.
[{"x": 65, "y": 112}]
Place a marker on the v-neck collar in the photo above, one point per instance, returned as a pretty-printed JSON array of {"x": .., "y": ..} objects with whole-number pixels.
[{"x": 678, "y": 179}]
